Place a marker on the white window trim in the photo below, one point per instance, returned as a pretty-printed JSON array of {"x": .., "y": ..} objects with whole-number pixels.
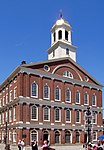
[
  {"x": 70, "y": 116},
  {"x": 79, "y": 117},
  {"x": 48, "y": 92},
  {"x": 59, "y": 115},
  {"x": 87, "y": 99},
  {"x": 15, "y": 95},
  {"x": 95, "y": 99},
  {"x": 59, "y": 94},
  {"x": 79, "y": 98},
  {"x": 36, "y": 113},
  {"x": 70, "y": 96},
  {"x": 36, "y": 90},
  {"x": 48, "y": 114},
  {"x": 31, "y": 136}
]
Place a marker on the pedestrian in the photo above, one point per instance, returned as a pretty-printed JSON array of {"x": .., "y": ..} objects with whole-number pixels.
[
  {"x": 34, "y": 145},
  {"x": 22, "y": 145},
  {"x": 45, "y": 144},
  {"x": 19, "y": 144}
]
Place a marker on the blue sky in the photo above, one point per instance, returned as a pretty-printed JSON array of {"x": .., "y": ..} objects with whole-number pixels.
[{"x": 25, "y": 32}]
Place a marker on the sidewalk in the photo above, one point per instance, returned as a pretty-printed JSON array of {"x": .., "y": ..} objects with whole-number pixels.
[{"x": 72, "y": 147}]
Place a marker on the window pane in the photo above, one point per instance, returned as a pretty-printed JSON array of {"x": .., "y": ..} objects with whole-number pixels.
[
  {"x": 68, "y": 95},
  {"x": 46, "y": 91},
  {"x": 67, "y": 115},
  {"x": 77, "y": 97},
  {"x": 57, "y": 117},
  {"x": 34, "y": 89},
  {"x": 57, "y": 94},
  {"x": 34, "y": 112},
  {"x": 46, "y": 113}
]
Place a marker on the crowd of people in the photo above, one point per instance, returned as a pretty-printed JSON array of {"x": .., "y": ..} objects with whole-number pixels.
[
  {"x": 34, "y": 145},
  {"x": 97, "y": 146}
]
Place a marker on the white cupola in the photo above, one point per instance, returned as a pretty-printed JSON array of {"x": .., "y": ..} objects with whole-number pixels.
[{"x": 61, "y": 41}]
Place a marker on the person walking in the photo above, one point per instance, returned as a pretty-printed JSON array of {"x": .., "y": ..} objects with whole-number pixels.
[
  {"x": 34, "y": 145},
  {"x": 19, "y": 144},
  {"x": 22, "y": 145}
]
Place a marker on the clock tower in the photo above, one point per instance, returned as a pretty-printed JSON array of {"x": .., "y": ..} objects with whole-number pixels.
[{"x": 61, "y": 41}]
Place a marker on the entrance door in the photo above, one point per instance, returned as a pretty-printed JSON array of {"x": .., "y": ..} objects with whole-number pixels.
[{"x": 45, "y": 135}]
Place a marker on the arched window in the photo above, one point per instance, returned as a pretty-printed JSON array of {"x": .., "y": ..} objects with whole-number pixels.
[
  {"x": 68, "y": 115},
  {"x": 46, "y": 91},
  {"x": 54, "y": 37},
  {"x": 68, "y": 95},
  {"x": 77, "y": 96},
  {"x": 34, "y": 90},
  {"x": 57, "y": 137},
  {"x": 66, "y": 35},
  {"x": 33, "y": 136},
  {"x": 68, "y": 74},
  {"x": 67, "y": 137},
  {"x": 45, "y": 135},
  {"x": 46, "y": 113},
  {"x": 77, "y": 137},
  {"x": 93, "y": 100},
  {"x": 57, "y": 114},
  {"x": 86, "y": 96},
  {"x": 60, "y": 35},
  {"x": 34, "y": 112},
  {"x": 57, "y": 93}
]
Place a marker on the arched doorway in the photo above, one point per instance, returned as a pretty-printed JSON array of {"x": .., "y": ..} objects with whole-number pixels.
[
  {"x": 67, "y": 137},
  {"x": 45, "y": 135},
  {"x": 57, "y": 137},
  {"x": 77, "y": 137}
]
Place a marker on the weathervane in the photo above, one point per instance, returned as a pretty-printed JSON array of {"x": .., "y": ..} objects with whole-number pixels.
[{"x": 61, "y": 16}]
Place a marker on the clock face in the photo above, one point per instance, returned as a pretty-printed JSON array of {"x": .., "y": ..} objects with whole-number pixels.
[{"x": 46, "y": 68}]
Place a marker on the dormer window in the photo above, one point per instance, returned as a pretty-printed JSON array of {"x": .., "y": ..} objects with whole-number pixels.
[
  {"x": 68, "y": 74},
  {"x": 66, "y": 35},
  {"x": 60, "y": 35}
]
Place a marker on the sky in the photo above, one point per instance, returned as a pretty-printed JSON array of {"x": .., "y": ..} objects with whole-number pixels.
[{"x": 25, "y": 32}]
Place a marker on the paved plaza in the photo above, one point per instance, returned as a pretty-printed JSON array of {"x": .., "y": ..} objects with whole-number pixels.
[{"x": 71, "y": 147}]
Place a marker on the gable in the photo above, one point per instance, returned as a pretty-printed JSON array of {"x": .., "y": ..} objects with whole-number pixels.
[{"x": 59, "y": 66}]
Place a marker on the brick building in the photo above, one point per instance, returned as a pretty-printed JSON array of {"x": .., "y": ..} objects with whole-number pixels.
[{"x": 48, "y": 99}]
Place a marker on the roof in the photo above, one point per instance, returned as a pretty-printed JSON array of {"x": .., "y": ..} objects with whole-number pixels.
[{"x": 18, "y": 69}]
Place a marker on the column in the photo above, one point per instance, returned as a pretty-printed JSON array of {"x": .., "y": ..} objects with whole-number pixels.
[
  {"x": 40, "y": 137},
  {"x": 27, "y": 85},
  {"x": 27, "y": 113},
  {"x": 27, "y": 140},
  {"x": 40, "y": 114},
  {"x": 52, "y": 115},
  {"x": 40, "y": 87}
]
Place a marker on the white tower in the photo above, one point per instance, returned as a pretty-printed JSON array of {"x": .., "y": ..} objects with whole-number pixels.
[{"x": 61, "y": 41}]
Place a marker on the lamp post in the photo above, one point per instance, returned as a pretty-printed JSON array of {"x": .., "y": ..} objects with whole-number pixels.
[{"x": 88, "y": 124}]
